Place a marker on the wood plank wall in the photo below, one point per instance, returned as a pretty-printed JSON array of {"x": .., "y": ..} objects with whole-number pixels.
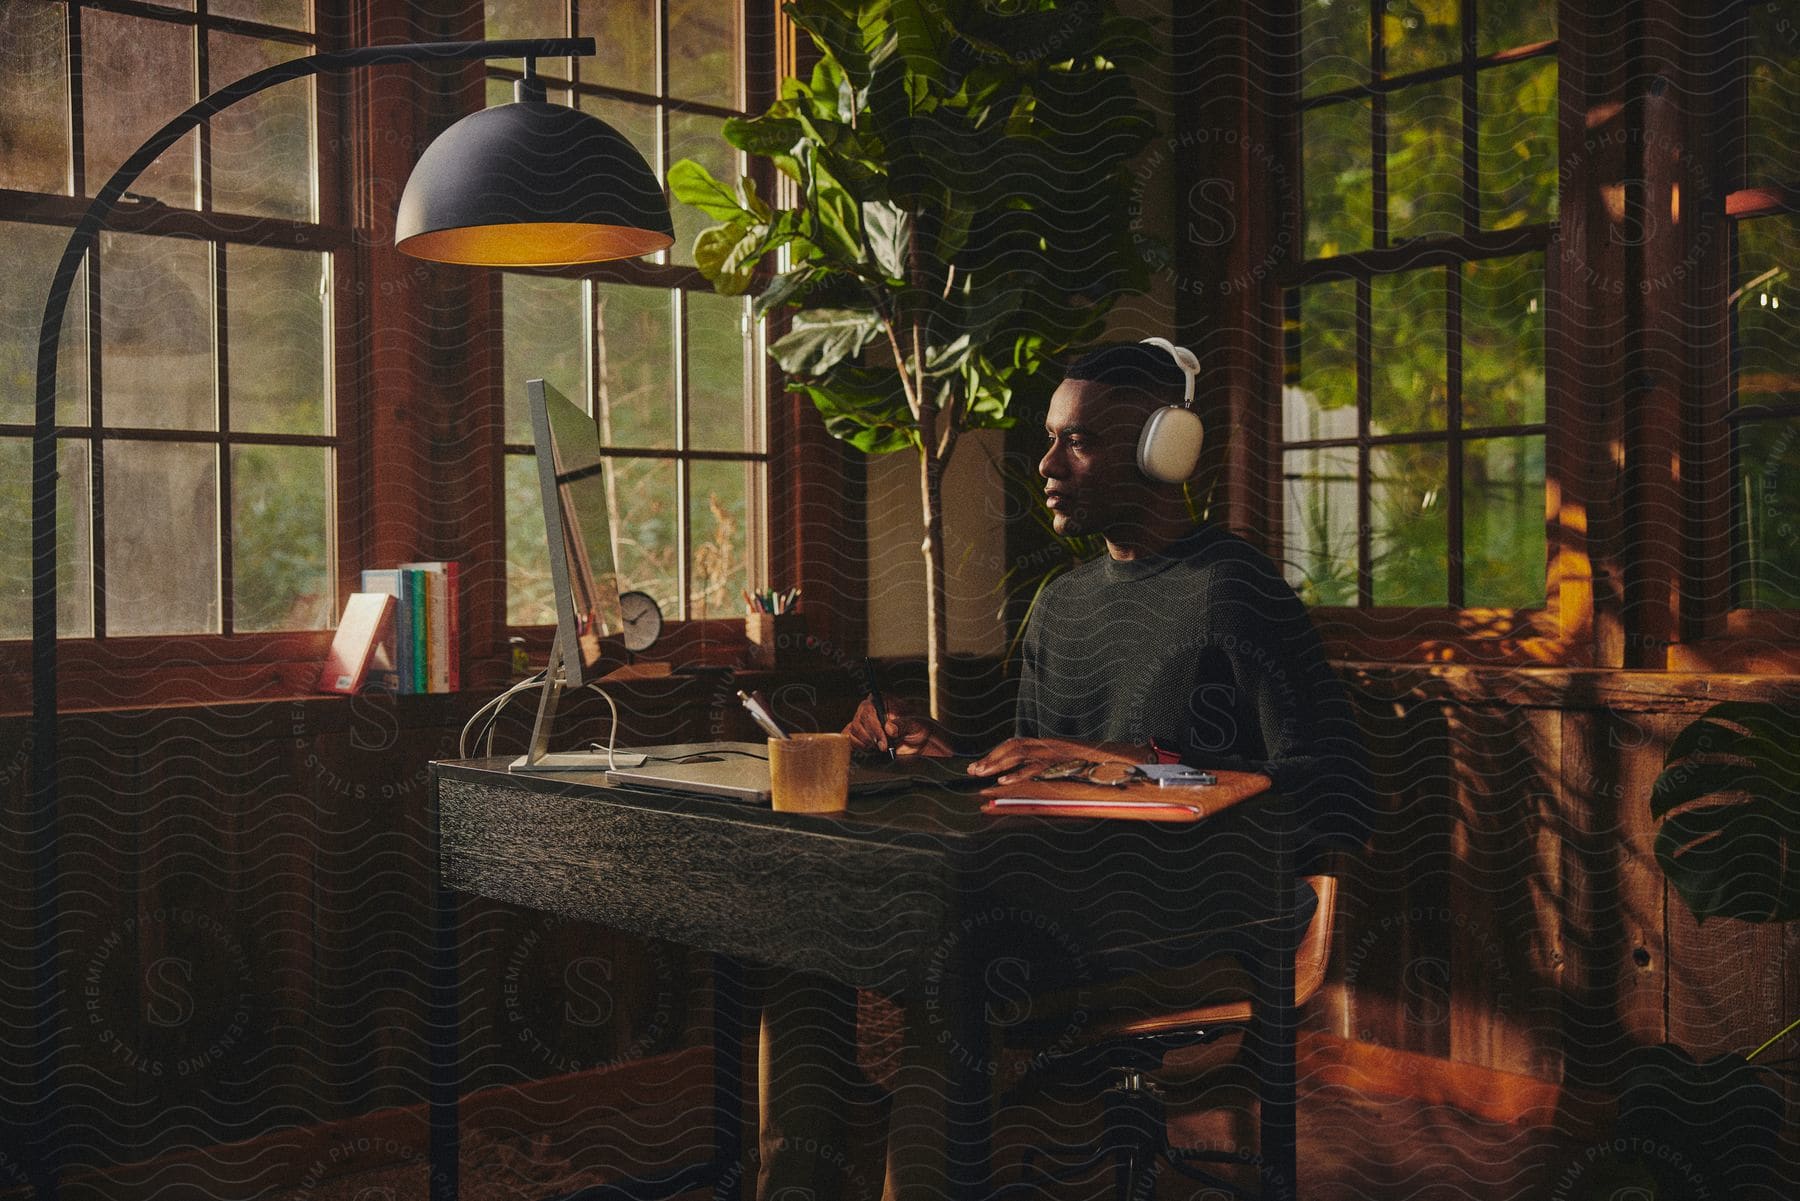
[{"x": 246, "y": 905}]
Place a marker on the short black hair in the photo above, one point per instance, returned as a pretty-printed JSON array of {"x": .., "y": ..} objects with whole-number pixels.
[{"x": 1137, "y": 365}]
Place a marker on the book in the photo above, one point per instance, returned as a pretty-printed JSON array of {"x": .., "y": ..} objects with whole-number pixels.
[
  {"x": 359, "y": 645},
  {"x": 1144, "y": 800},
  {"x": 391, "y": 580},
  {"x": 443, "y": 626},
  {"x": 415, "y": 597}
]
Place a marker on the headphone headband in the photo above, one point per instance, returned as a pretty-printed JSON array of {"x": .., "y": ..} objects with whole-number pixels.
[{"x": 1185, "y": 359}]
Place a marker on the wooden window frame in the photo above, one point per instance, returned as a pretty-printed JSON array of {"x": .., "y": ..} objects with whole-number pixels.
[
  {"x": 757, "y": 82},
  {"x": 1712, "y": 633},
  {"x": 101, "y": 671},
  {"x": 1551, "y": 634}
]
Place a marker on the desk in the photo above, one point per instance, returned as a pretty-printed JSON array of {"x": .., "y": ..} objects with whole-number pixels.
[{"x": 925, "y": 893}]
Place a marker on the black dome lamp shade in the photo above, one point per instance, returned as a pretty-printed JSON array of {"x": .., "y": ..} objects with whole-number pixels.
[{"x": 531, "y": 184}]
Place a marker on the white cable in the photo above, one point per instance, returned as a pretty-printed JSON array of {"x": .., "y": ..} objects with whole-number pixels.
[
  {"x": 538, "y": 681},
  {"x": 462, "y": 741},
  {"x": 612, "y": 735}
]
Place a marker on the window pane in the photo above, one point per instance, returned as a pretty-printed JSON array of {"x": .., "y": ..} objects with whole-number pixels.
[
  {"x": 74, "y": 540},
  {"x": 137, "y": 74},
  {"x": 1319, "y": 523},
  {"x": 276, "y": 313},
  {"x": 701, "y": 138},
  {"x": 720, "y": 416},
  {"x": 1503, "y": 342},
  {"x": 1319, "y": 396},
  {"x": 718, "y": 529},
  {"x": 1503, "y": 523},
  {"x": 1416, "y": 34},
  {"x": 636, "y": 121},
  {"x": 1768, "y": 310},
  {"x": 545, "y": 337},
  {"x": 156, "y": 332},
  {"x": 1337, "y": 179},
  {"x": 530, "y": 596},
  {"x": 1503, "y": 24},
  {"x": 1773, "y": 150},
  {"x": 162, "y": 538},
  {"x": 262, "y": 151},
  {"x": 529, "y": 19},
  {"x": 1425, "y": 161},
  {"x": 32, "y": 252},
  {"x": 281, "y": 538},
  {"x": 634, "y": 342},
  {"x": 644, "y": 529},
  {"x": 289, "y": 14},
  {"x": 1334, "y": 45},
  {"x": 703, "y": 51},
  {"x": 1408, "y": 381},
  {"x": 626, "y": 33},
  {"x": 34, "y": 97},
  {"x": 1409, "y": 543},
  {"x": 1517, "y": 143},
  {"x": 1767, "y": 551}
]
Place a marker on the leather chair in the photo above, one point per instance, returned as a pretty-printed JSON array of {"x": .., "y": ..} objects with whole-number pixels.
[{"x": 1120, "y": 1054}]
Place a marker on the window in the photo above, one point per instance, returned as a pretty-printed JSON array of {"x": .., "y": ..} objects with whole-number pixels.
[
  {"x": 673, "y": 372},
  {"x": 1764, "y": 413},
  {"x": 1413, "y": 401},
  {"x": 199, "y": 443}
]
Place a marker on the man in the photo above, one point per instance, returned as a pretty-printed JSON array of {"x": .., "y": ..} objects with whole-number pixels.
[{"x": 1182, "y": 642}]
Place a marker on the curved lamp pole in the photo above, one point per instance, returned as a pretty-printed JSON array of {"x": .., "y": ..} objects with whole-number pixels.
[{"x": 527, "y": 184}]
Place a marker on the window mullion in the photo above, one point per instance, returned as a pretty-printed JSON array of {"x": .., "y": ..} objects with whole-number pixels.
[
  {"x": 1365, "y": 578},
  {"x": 1453, "y": 484},
  {"x": 222, "y": 418},
  {"x": 96, "y": 417}
]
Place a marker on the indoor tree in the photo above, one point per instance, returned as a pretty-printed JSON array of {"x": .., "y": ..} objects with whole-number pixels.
[{"x": 953, "y": 218}]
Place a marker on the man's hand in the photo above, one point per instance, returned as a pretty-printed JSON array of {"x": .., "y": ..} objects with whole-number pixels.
[
  {"x": 1022, "y": 758},
  {"x": 906, "y": 733}
]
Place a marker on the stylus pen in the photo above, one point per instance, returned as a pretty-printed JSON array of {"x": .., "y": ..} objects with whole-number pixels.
[
  {"x": 875, "y": 700},
  {"x": 761, "y": 716}
]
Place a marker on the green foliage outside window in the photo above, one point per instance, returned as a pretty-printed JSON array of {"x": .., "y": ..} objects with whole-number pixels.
[{"x": 1498, "y": 302}]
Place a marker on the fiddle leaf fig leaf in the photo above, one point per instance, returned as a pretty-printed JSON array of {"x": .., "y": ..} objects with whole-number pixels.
[
  {"x": 727, "y": 254},
  {"x": 820, "y": 339},
  {"x": 890, "y": 233},
  {"x": 694, "y": 185}
]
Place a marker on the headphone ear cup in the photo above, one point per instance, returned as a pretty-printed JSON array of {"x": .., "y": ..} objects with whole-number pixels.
[{"x": 1168, "y": 450}]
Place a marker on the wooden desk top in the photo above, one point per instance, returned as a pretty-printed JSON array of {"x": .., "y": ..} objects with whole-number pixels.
[{"x": 873, "y": 896}]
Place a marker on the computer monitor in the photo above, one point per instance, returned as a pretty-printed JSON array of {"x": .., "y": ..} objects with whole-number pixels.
[
  {"x": 577, "y": 527},
  {"x": 578, "y": 534}
]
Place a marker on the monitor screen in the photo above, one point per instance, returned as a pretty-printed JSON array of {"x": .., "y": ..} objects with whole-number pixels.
[{"x": 578, "y": 525}]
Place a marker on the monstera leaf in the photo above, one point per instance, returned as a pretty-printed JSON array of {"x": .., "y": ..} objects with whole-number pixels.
[{"x": 1729, "y": 800}]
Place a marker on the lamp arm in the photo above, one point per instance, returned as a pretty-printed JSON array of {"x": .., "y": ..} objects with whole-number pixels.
[{"x": 44, "y": 472}]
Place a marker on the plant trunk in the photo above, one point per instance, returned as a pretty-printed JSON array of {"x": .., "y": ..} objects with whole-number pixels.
[{"x": 937, "y": 620}]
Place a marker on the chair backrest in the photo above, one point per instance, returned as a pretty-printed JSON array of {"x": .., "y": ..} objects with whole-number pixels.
[{"x": 1314, "y": 952}]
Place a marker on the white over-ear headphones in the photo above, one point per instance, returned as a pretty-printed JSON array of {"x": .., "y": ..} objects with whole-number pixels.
[{"x": 1168, "y": 450}]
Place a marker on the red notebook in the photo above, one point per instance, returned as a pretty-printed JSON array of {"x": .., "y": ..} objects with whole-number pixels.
[
  {"x": 367, "y": 624},
  {"x": 1136, "y": 802}
]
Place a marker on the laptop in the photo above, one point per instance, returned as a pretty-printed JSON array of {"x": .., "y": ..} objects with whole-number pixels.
[{"x": 740, "y": 771}]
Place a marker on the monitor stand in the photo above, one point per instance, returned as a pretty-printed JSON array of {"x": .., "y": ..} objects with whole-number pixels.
[{"x": 538, "y": 756}]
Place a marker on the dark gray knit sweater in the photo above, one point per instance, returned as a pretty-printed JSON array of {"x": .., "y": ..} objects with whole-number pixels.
[{"x": 1205, "y": 648}]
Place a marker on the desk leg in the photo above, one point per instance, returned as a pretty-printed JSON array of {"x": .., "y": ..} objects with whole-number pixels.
[
  {"x": 1275, "y": 1032},
  {"x": 968, "y": 1089},
  {"x": 443, "y": 1024},
  {"x": 728, "y": 1078}
]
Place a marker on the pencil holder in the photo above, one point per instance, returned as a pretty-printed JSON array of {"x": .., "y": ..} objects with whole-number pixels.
[{"x": 773, "y": 637}]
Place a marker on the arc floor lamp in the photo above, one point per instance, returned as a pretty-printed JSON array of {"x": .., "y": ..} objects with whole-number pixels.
[{"x": 527, "y": 184}]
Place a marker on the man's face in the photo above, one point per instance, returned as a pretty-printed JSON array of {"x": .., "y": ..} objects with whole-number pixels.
[{"x": 1091, "y": 480}]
